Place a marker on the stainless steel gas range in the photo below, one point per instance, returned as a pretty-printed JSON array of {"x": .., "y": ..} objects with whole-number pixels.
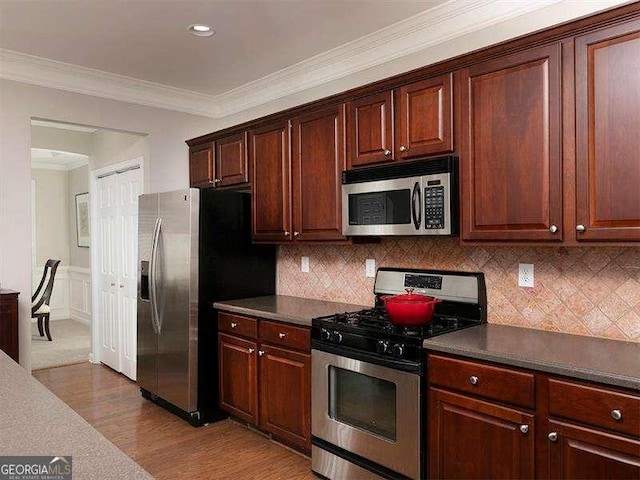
[{"x": 368, "y": 377}]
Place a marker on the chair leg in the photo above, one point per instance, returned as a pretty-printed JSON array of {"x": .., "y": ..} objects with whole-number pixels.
[
  {"x": 40, "y": 327},
  {"x": 46, "y": 326}
]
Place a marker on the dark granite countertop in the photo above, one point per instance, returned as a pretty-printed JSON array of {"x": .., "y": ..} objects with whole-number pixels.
[
  {"x": 33, "y": 421},
  {"x": 611, "y": 362},
  {"x": 284, "y": 308}
]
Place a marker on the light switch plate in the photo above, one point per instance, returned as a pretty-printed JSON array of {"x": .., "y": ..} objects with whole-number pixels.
[
  {"x": 525, "y": 275},
  {"x": 304, "y": 264},
  {"x": 370, "y": 267}
]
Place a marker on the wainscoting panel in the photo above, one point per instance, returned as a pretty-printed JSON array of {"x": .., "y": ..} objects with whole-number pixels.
[{"x": 80, "y": 294}]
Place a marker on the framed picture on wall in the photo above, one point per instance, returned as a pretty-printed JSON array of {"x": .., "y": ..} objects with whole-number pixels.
[{"x": 82, "y": 219}]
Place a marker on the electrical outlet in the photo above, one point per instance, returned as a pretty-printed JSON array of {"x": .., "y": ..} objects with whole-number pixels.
[
  {"x": 304, "y": 264},
  {"x": 525, "y": 275},
  {"x": 370, "y": 267}
]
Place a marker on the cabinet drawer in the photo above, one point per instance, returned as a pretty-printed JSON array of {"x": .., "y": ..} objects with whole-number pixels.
[
  {"x": 498, "y": 383},
  {"x": 237, "y": 325},
  {"x": 285, "y": 335},
  {"x": 595, "y": 406}
]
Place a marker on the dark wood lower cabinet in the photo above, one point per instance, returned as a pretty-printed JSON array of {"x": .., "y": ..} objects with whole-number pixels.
[
  {"x": 474, "y": 439},
  {"x": 9, "y": 323},
  {"x": 238, "y": 377},
  {"x": 285, "y": 400},
  {"x": 579, "y": 452}
]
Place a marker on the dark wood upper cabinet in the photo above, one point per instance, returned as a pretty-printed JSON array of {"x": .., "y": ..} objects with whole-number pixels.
[
  {"x": 607, "y": 134},
  {"x": 231, "y": 160},
  {"x": 318, "y": 159},
  {"x": 410, "y": 122},
  {"x": 9, "y": 341},
  {"x": 424, "y": 119},
  {"x": 201, "y": 167},
  {"x": 271, "y": 183},
  {"x": 511, "y": 165},
  {"x": 370, "y": 130}
]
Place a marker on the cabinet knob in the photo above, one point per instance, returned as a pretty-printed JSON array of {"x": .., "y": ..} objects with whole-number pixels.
[
  {"x": 234, "y": 324},
  {"x": 616, "y": 415},
  {"x": 251, "y": 350},
  {"x": 553, "y": 436},
  {"x": 474, "y": 380},
  {"x": 260, "y": 352},
  {"x": 216, "y": 181},
  {"x": 403, "y": 148},
  {"x": 387, "y": 152},
  {"x": 282, "y": 335},
  {"x": 524, "y": 428},
  {"x": 295, "y": 234},
  {"x": 286, "y": 233},
  {"x": 580, "y": 228},
  {"x": 553, "y": 229}
]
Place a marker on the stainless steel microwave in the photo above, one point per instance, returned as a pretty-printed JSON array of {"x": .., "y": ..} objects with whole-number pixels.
[{"x": 413, "y": 198}]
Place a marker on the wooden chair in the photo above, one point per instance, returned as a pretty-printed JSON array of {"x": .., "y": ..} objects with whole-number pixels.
[{"x": 40, "y": 308}]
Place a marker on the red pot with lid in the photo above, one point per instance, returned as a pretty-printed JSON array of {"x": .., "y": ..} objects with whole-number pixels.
[{"x": 410, "y": 309}]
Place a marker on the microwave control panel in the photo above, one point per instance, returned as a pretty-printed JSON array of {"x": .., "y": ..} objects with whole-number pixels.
[{"x": 434, "y": 207}]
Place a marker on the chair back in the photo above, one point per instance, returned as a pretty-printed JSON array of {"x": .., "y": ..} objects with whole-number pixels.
[{"x": 44, "y": 294}]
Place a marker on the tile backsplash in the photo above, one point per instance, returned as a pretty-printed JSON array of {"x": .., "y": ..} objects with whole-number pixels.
[{"x": 588, "y": 291}]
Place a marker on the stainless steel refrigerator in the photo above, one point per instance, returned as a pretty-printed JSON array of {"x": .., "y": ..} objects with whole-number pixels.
[{"x": 194, "y": 248}]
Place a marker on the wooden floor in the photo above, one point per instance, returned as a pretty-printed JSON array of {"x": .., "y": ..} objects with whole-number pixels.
[{"x": 163, "y": 444}]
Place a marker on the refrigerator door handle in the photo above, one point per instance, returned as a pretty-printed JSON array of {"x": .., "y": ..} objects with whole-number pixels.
[{"x": 155, "y": 317}]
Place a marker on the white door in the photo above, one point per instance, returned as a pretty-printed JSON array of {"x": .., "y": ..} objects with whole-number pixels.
[{"x": 118, "y": 224}]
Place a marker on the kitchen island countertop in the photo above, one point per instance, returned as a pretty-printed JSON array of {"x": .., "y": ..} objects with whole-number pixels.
[
  {"x": 33, "y": 421},
  {"x": 611, "y": 362},
  {"x": 284, "y": 308}
]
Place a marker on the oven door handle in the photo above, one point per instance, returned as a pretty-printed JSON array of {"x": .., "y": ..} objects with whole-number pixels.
[
  {"x": 389, "y": 362},
  {"x": 416, "y": 211}
]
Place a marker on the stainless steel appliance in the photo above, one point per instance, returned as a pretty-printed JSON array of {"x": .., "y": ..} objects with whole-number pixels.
[
  {"x": 415, "y": 198},
  {"x": 194, "y": 248},
  {"x": 368, "y": 379}
]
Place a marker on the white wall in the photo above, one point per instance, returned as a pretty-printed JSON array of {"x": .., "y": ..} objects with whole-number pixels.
[{"x": 167, "y": 167}]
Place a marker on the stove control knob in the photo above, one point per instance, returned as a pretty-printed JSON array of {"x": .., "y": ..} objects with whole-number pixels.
[
  {"x": 325, "y": 334},
  {"x": 398, "y": 350},
  {"x": 382, "y": 346},
  {"x": 336, "y": 337}
]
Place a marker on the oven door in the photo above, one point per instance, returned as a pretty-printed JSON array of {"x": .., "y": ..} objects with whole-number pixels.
[
  {"x": 369, "y": 410},
  {"x": 383, "y": 207}
]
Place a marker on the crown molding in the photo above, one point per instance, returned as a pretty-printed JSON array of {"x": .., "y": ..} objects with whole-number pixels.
[
  {"x": 43, "y": 165},
  {"x": 427, "y": 29}
]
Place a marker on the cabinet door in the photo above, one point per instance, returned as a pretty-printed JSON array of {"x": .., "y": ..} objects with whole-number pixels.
[
  {"x": 608, "y": 143},
  {"x": 285, "y": 395},
  {"x": 201, "y": 173},
  {"x": 370, "y": 130},
  {"x": 271, "y": 185},
  {"x": 473, "y": 439},
  {"x": 318, "y": 159},
  {"x": 578, "y": 452},
  {"x": 238, "y": 377},
  {"x": 424, "y": 120},
  {"x": 511, "y": 147},
  {"x": 231, "y": 160}
]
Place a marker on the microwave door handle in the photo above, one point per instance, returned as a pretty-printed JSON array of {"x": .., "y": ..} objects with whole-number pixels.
[{"x": 416, "y": 206}]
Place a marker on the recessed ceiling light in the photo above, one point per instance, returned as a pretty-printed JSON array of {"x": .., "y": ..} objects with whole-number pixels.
[{"x": 201, "y": 30}]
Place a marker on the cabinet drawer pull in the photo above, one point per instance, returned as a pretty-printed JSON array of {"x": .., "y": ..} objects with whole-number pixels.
[
  {"x": 282, "y": 335},
  {"x": 553, "y": 436},
  {"x": 295, "y": 234},
  {"x": 474, "y": 380},
  {"x": 580, "y": 228},
  {"x": 387, "y": 152},
  {"x": 261, "y": 352},
  {"x": 524, "y": 428},
  {"x": 616, "y": 415},
  {"x": 286, "y": 233},
  {"x": 234, "y": 324},
  {"x": 403, "y": 148},
  {"x": 251, "y": 350}
]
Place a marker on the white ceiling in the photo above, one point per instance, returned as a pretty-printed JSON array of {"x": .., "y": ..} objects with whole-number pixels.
[
  {"x": 148, "y": 39},
  {"x": 139, "y": 51}
]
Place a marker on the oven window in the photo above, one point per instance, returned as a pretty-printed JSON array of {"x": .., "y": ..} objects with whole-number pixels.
[
  {"x": 364, "y": 402},
  {"x": 392, "y": 207}
]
